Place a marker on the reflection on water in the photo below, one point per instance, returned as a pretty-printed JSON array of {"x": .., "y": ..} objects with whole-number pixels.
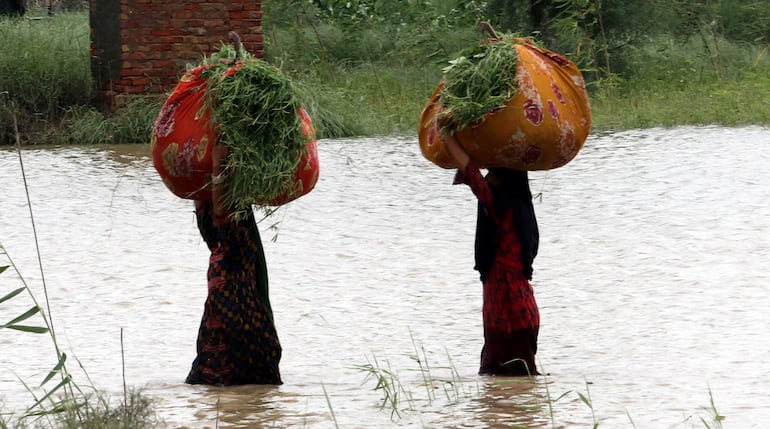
[{"x": 651, "y": 278}]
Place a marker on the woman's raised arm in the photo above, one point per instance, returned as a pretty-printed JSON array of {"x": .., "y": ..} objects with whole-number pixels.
[{"x": 455, "y": 150}]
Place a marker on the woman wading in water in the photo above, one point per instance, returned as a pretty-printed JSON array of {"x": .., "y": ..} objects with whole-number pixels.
[
  {"x": 506, "y": 244},
  {"x": 237, "y": 340}
]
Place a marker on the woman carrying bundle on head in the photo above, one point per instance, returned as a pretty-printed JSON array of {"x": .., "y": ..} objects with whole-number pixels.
[
  {"x": 506, "y": 245},
  {"x": 509, "y": 106},
  {"x": 233, "y": 137}
]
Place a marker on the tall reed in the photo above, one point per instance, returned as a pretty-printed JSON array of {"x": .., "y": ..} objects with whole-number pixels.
[{"x": 58, "y": 400}]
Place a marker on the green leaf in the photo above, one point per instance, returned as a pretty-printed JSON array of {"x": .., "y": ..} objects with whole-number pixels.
[
  {"x": 3, "y": 268},
  {"x": 67, "y": 379},
  {"x": 55, "y": 369},
  {"x": 24, "y": 328},
  {"x": 584, "y": 399},
  {"x": 12, "y": 294},
  {"x": 31, "y": 312}
]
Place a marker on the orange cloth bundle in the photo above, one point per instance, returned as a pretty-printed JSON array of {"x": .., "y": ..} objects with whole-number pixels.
[
  {"x": 542, "y": 127},
  {"x": 183, "y": 135}
]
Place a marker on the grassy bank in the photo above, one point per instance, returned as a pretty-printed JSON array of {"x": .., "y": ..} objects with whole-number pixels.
[
  {"x": 676, "y": 85},
  {"x": 366, "y": 81}
]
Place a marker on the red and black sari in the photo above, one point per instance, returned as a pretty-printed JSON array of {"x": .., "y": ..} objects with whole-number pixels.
[
  {"x": 237, "y": 340},
  {"x": 506, "y": 244}
]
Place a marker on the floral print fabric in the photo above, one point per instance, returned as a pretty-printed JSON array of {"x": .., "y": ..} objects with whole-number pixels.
[{"x": 542, "y": 127}]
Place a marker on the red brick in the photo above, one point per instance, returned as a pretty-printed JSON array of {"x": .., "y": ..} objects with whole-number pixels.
[
  {"x": 158, "y": 39},
  {"x": 214, "y": 23},
  {"x": 216, "y": 8},
  {"x": 182, "y": 14}
]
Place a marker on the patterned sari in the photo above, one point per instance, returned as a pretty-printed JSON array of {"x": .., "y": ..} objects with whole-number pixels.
[
  {"x": 237, "y": 340},
  {"x": 510, "y": 313}
]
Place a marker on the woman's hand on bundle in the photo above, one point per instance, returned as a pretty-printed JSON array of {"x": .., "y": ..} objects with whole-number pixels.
[{"x": 455, "y": 149}]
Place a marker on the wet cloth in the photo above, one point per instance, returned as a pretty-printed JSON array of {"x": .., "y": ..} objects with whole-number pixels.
[
  {"x": 237, "y": 340},
  {"x": 510, "y": 314}
]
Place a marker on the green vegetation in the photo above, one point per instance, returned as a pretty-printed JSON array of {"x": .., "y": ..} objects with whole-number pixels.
[
  {"x": 468, "y": 95},
  {"x": 44, "y": 71},
  {"x": 58, "y": 400},
  {"x": 255, "y": 106},
  {"x": 367, "y": 67},
  {"x": 647, "y": 63},
  {"x": 401, "y": 397}
]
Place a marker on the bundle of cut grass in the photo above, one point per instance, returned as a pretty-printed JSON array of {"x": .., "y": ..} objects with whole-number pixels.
[
  {"x": 254, "y": 108},
  {"x": 511, "y": 104},
  {"x": 479, "y": 81}
]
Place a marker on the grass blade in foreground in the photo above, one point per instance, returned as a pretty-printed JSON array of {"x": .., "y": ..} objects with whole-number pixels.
[{"x": 12, "y": 293}]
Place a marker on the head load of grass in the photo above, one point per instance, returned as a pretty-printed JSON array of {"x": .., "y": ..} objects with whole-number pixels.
[
  {"x": 480, "y": 80},
  {"x": 254, "y": 108}
]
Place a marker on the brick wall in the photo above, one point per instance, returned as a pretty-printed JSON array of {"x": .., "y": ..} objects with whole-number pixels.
[{"x": 142, "y": 46}]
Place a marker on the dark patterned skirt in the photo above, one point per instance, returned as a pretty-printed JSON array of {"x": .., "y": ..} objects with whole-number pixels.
[
  {"x": 237, "y": 340},
  {"x": 511, "y": 323}
]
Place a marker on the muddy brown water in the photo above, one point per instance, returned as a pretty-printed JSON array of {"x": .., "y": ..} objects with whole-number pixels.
[{"x": 652, "y": 281}]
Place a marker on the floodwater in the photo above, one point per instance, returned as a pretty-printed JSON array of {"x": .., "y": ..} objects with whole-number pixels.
[{"x": 652, "y": 281}]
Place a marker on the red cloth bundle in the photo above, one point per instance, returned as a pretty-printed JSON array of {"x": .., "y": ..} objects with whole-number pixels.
[{"x": 183, "y": 135}]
